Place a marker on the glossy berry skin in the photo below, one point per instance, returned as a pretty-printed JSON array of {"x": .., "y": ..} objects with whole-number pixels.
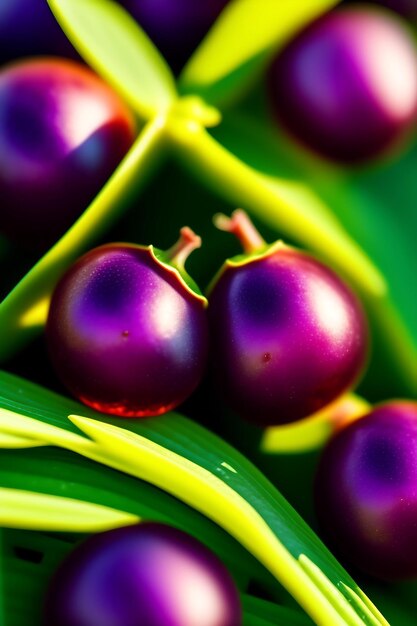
[
  {"x": 288, "y": 336},
  {"x": 176, "y": 26},
  {"x": 28, "y": 28},
  {"x": 144, "y": 575},
  {"x": 124, "y": 334},
  {"x": 337, "y": 89},
  {"x": 366, "y": 491},
  {"x": 62, "y": 133}
]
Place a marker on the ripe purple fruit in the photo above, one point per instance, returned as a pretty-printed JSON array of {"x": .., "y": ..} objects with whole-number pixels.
[
  {"x": 144, "y": 575},
  {"x": 366, "y": 491},
  {"x": 28, "y": 28},
  {"x": 337, "y": 88},
  {"x": 176, "y": 26},
  {"x": 287, "y": 335},
  {"x": 62, "y": 133},
  {"x": 127, "y": 328}
]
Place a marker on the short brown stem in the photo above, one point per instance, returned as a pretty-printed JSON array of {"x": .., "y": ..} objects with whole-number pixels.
[
  {"x": 181, "y": 250},
  {"x": 240, "y": 225}
]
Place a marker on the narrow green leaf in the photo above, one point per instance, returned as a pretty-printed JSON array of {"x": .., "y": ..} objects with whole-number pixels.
[
  {"x": 57, "y": 472},
  {"x": 117, "y": 48},
  {"x": 242, "y": 40},
  {"x": 23, "y": 312},
  {"x": 200, "y": 469},
  {"x": 25, "y": 509}
]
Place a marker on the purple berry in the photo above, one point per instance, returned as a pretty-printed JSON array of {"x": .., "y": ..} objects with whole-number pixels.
[
  {"x": 176, "y": 26},
  {"x": 144, "y": 575},
  {"x": 126, "y": 333},
  {"x": 62, "y": 133},
  {"x": 337, "y": 87},
  {"x": 366, "y": 491},
  {"x": 28, "y": 28},
  {"x": 287, "y": 335}
]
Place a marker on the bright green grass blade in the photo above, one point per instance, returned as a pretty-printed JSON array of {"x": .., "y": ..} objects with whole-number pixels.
[
  {"x": 23, "y": 312},
  {"x": 198, "y": 468},
  {"x": 25, "y": 509},
  {"x": 284, "y": 203},
  {"x": 240, "y": 43},
  {"x": 117, "y": 48}
]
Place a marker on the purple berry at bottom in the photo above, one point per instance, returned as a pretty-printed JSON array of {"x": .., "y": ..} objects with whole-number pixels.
[
  {"x": 144, "y": 575},
  {"x": 366, "y": 491},
  {"x": 125, "y": 334},
  {"x": 337, "y": 87},
  {"x": 287, "y": 335}
]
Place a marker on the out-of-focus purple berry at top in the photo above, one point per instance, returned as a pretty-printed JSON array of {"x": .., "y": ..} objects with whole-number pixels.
[
  {"x": 144, "y": 575},
  {"x": 62, "y": 133},
  {"x": 366, "y": 491},
  {"x": 28, "y": 28},
  {"x": 176, "y": 26},
  {"x": 346, "y": 86},
  {"x": 125, "y": 334},
  {"x": 287, "y": 335}
]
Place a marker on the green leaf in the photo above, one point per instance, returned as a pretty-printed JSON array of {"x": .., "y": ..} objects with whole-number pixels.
[
  {"x": 24, "y": 509},
  {"x": 23, "y": 312},
  {"x": 116, "y": 47},
  {"x": 263, "y": 613},
  {"x": 53, "y": 472},
  {"x": 198, "y": 468},
  {"x": 241, "y": 42}
]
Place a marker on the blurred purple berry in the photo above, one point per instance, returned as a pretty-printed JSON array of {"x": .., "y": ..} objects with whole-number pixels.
[
  {"x": 62, "y": 133},
  {"x": 287, "y": 335},
  {"x": 346, "y": 86},
  {"x": 144, "y": 575},
  {"x": 366, "y": 491},
  {"x": 125, "y": 334}
]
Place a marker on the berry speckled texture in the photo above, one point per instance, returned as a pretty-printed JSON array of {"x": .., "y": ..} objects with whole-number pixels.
[
  {"x": 28, "y": 28},
  {"x": 62, "y": 133},
  {"x": 124, "y": 334},
  {"x": 366, "y": 491},
  {"x": 144, "y": 575},
  {"x": 337, "y": 86},
  {"x": 288, "y": 336},
  {"x": 176, "y": 26}
]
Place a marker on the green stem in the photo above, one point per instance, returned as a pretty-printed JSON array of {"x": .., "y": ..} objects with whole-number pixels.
[
  {"x": 23, "y": 312},
  {"x": 270, "y": 200}
]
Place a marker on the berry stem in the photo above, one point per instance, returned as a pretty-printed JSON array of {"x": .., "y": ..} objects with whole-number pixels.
[
  {"x": 181, "y": 250},
  {"x": 240, "y": 225}
]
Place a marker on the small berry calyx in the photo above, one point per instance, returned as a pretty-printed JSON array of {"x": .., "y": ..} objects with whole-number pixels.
[
  {"x": 127, "y": 328},
  {"x": 366, "y": 491},
  {"x": 287, "y": 335}
]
